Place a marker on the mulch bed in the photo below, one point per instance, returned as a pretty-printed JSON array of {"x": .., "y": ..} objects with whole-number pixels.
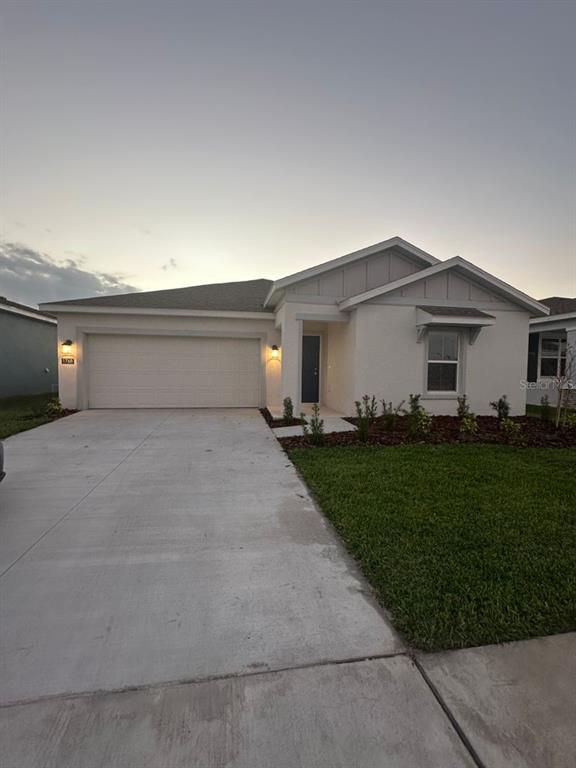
[
  {"x": 535, "y": 433},
  {"x": 274, "y": 423}
]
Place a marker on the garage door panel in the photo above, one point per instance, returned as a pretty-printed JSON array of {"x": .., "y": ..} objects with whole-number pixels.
[{"x": 172, "y": 372}]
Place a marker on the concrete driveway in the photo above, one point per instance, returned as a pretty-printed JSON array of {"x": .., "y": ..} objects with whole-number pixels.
[{"x": 171, "y": 597}]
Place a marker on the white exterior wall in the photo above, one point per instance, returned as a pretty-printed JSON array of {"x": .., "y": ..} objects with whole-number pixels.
[
  {"x": 496, "y": 363},
  {"x": 391, "y": 364},
  {"x": 340, "y": 365},
  {"x": 72, "y": 379}
]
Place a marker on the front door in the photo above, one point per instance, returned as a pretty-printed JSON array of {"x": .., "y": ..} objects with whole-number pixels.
[{"x": 310, "y": 369}]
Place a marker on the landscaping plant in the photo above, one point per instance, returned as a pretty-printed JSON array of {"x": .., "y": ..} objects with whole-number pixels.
[
  {"x": 287, "y": 409},
  {"x": 469, "y": 425},
  {"x": 545, "y": 408},
  {"x": 502, "y": 407},
  {"x": 420, "y": 424},
  {"x": 366, "y": 412},
  {"x": 511, "y": 429},
  {"x": 313, "y": 430},
  {"x": 390, "y": 414},
  {"x": 53, "y": 407},
  {"x": 414, "y": 404},
  {"x": 419, "y": 420},
  {"x": 463, "y": 406}
]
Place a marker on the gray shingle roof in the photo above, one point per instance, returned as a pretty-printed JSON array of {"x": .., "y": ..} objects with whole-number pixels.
[
  {"x": 455, "y": 311},
  {"x": 245, "y": 296},
  {"x": 33, "y": 310},
  {"x": 560, "y": 305}
]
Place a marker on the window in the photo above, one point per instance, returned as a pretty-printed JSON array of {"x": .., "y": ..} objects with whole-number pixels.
[
  {"x": 443, "y": 347},
  {"x": 553, "y": 354}
]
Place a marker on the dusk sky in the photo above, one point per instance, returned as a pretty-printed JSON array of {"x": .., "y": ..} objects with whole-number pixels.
[{"x": 156, "y": 145}]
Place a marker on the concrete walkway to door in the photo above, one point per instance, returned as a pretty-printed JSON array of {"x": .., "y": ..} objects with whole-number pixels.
[{"x": 171, "y": 597}]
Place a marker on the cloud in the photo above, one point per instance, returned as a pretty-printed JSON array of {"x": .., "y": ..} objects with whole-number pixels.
[
  {"x": 170, "y": 264},
  {"x": 31, "y": 277}
]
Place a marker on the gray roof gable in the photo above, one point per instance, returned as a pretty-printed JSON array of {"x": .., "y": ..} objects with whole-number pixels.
[{"x": 245, "y": 296}]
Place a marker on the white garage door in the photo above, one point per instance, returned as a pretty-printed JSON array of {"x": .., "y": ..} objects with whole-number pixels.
[{"x": 172, "y": 372}]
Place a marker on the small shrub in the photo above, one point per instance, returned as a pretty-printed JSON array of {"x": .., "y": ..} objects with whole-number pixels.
[
  {"x": 469, "y": 425},
  {"x": 463, "y": 406},
  {"x": 512, "y": 430},
  {"x": 53, "y": 407},
  {"x": 313, "y": 430},
  {"x": 390, "y": 414},
  {"x": 366, "y": 412},
  {"x": 502, "y": 407},
  {"x": 287, "y": 409},
  {"x": 546, "y": 410},
  {"x": 570, "y": 420},
  {"x": 420, "y": 423},
  {"x": 414, "y": 405},
  {"x": 419, "y": 420}
]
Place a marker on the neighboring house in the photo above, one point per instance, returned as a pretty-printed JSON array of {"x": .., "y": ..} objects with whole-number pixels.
[
  {"x": 552, "y": 339},
  {"x": 28, "y": 351},
  {"x": 387, "y": 320}
]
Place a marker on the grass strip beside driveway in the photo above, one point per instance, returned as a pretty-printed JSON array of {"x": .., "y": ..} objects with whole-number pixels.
[
  {"x": 23, "y": 412},
  {"x": 465, "y": 545}
]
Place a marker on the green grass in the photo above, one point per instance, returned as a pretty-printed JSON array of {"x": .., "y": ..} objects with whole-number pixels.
[
  {"x": 24, "y": 412},
  {"x": 464, "y": 545}
]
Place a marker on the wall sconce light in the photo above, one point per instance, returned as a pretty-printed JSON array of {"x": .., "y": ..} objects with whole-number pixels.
[
  {"x": 67, "y": 347},
  {"x": 275, "y": 352}
]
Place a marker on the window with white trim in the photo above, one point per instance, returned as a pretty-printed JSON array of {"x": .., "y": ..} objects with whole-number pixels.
[
  {"x": 442, "y": 367},
  {"x": 552, "y": 354}
]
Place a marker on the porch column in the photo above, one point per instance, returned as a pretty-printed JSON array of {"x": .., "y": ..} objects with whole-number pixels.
[{"x": 292, "y": 362}]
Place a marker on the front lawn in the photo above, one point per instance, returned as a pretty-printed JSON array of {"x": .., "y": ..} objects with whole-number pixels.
[
  {"x": 464, "y": 544},
  {"x": 23, "y": 412}
]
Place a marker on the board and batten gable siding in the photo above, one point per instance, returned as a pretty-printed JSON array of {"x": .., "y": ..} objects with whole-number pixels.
[
  {"x": 371, "y": 272},
  {"x": 28, "y": 362},
  {"x": 447, "y": 286}
]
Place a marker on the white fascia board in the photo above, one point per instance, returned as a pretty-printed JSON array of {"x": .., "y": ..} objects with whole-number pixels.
[
  {"x": 486, "y": 278},
  {"x": 341, "y": 261},
  {"x": 565, "y": 317},
  {"x": 26, "y": 313},
  {"x": 79, "y": 309}
]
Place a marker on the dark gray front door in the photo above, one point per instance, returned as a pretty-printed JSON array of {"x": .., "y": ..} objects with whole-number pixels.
[{"x": 310, "y": 369}]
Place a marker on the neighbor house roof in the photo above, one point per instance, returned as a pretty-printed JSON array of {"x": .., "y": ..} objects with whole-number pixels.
[
  {"x": 22, "y": 309},
  {"x": 464, "y": 267},
  {"x": 245, "y": 296},
  {"x": 559, "y": 305}
]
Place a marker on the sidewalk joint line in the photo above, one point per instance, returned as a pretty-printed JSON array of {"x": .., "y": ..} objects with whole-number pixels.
[
  {"x": 449, "y": 714},
  {"x": 199, "y": 680}
]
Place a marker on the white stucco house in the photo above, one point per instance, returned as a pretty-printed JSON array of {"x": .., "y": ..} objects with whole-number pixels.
[
  {"x": 552, "y": 341},
  {"x": 386, "y": 320}
]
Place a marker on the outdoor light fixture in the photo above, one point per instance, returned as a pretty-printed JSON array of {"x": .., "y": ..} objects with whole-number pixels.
[
  {"x": 275, "y": 352},
  {"x": 67, "y": 347}
]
